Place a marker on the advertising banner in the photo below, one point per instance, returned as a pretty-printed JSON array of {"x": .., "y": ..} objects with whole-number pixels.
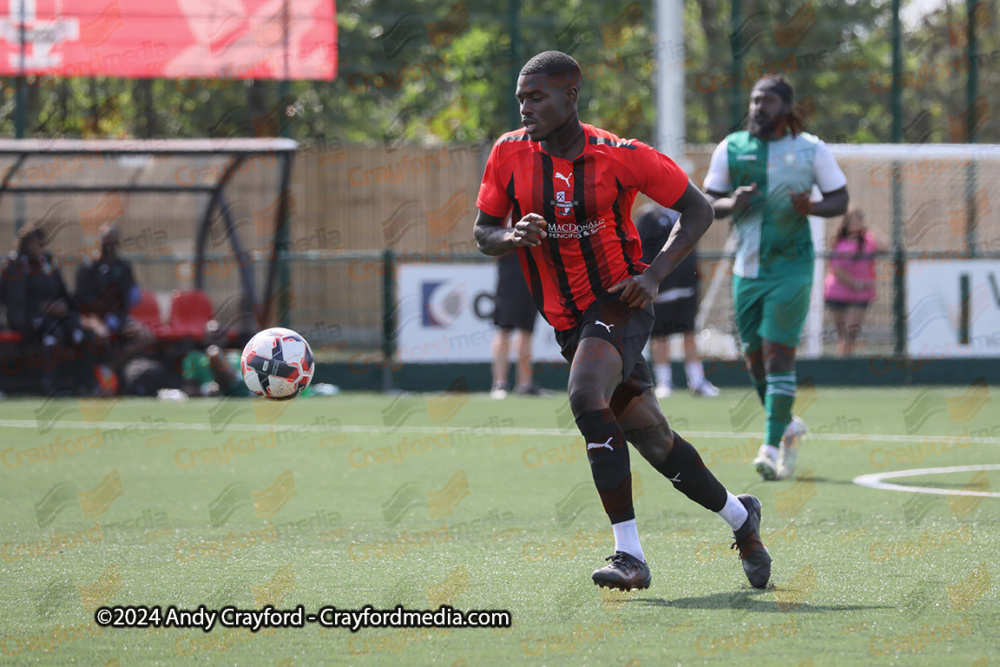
[
  {"x": 953, "y": 309},
  {"x": 445, "y": 315},
  {"x": 175, "y": 39}
]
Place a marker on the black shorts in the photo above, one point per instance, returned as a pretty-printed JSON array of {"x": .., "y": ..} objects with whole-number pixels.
[
  {"x": 839, "y": 306},
  {"x": 513, "y": 307},
  {"x": 624, "y": 327},
  {"x": 674, "y": 317}
]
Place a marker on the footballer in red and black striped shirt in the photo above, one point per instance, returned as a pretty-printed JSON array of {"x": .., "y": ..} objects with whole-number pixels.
[
  {"x": 586, "y": 202},
  {"x": 568, "y": 189}
]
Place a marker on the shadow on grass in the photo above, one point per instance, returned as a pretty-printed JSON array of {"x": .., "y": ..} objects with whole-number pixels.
[{"x": 751, "y": 600}]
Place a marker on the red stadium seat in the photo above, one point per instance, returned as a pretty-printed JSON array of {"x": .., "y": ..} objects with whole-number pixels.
[
  {"x": 147, "y": 312},
  {"x": 190, "y": 311}
]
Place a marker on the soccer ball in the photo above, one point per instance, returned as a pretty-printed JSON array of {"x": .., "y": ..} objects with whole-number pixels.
[{"x": 277, "y": 363}]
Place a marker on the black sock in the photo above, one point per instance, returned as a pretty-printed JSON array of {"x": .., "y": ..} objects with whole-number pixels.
[
  {"x": 687, "y": 472},
  {"x": 609, "y": 462}
]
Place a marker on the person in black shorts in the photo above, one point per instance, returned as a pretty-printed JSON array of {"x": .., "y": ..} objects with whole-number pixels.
[
  {"x": 675, "y": 307},
  {"x": 568, "y": 187},
  {"x": 514, "y": 315}
]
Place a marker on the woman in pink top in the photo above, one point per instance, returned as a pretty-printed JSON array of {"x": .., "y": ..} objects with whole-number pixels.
[{"x": 850, "y": 281}]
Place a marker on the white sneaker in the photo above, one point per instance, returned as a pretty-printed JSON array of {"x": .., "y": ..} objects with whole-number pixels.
[
  {"x": 765, "y": 464},
  {"x": 789, "y": 451},
  {"x": 499, "y": 392},
  {"x": 795, "y": 429},
  {"x": 663, "y": 391},
  {"x": 706, "y": 390},
  {"x": 786, "y": 461}
]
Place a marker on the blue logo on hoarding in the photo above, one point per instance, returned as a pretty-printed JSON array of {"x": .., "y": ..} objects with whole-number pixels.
[
  {"x": 439, "y": 310},
  {"x": 427, "y": 290}
]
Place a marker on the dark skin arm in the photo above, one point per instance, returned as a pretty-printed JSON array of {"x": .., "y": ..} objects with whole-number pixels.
[
  {"x": 725, "y": 205},
  {"x": 696, "y": 217},
  {"x": 833, "y": 203},
  {"x": 495, "y": 239},
  {"x": 637, "y": 291}
]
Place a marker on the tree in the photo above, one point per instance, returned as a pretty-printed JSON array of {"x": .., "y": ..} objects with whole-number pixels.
[{"x": 417, "y": 71}]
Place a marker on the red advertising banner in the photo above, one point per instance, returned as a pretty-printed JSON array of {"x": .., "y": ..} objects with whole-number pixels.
[{"x": 177, "y": 39}]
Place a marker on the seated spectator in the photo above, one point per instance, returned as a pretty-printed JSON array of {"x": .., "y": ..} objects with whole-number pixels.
[
  {"x": 105, "y": 292},
  {"x": 40, "y": 307}
]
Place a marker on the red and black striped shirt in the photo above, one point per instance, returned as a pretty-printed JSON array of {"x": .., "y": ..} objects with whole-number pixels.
[{"x": 587, "y": 204}]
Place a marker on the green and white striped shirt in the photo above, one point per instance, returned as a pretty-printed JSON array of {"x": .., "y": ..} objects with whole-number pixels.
[{"x": 773, "y": 239}]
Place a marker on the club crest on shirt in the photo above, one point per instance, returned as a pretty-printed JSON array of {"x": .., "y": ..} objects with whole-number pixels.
[{"x": 563, "y": 207}]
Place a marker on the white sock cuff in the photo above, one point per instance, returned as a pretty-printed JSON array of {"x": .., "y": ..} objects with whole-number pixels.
[
  {"x": 695, "y": 373},
  {"x": 627, "y": 539},
  {"x": 734, "y": 513},
  {"x": 663, "y": 374}
]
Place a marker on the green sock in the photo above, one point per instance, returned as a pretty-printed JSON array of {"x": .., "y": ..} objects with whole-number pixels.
[{"x": 778, "y": 403}]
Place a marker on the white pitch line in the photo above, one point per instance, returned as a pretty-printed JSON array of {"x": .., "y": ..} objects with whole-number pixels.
[
  {"x": 474, "y": 430},
  {"x": 874, "y": 481}
]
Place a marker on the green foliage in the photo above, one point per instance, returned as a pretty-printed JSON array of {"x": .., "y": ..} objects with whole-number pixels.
[{"x": 422, "y": 72}]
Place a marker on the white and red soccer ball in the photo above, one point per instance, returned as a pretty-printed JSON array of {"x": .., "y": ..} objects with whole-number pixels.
[{"x": 277, "y": 363}]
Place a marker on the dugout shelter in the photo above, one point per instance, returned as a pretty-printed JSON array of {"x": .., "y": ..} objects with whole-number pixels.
[{"x": 201, "y": 222}]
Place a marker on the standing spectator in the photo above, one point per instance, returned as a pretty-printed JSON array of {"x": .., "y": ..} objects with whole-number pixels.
[
  {"x": 40, "y": 308},
  {"x": 514, "y": 315},
  {"x": 850, "y": 281},
  {"x": 675, "y": 306}
]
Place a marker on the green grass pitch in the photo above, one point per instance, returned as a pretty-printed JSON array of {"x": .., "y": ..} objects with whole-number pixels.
[{"x": 429, "y": 500}]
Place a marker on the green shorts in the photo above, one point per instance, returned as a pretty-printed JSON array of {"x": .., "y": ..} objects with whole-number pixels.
[{"x": 771, "y": 308}]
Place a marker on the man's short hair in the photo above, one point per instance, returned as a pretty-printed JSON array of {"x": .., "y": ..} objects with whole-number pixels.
[{"x": 560, "y": 69}]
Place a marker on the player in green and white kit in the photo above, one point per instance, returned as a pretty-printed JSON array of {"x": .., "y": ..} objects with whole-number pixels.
[{"x": 764, "y": 177}]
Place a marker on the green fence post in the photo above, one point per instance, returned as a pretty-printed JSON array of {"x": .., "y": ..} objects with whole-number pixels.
[
  {"x": 514, "y": 26},
  {"x": 388, "y": 317},
  {"x": 898, "y": 263},
  {"x": 737, "y": 100},
  {"x": 971, "y": 123},
  {"x": 898, "y": 238},
  {"x": 20, "y": 110}
]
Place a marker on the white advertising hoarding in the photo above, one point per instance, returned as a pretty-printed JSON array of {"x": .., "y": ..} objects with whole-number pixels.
[
  {"x": 953, "y": 308},
  {"x": 445, "y": 315}
]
